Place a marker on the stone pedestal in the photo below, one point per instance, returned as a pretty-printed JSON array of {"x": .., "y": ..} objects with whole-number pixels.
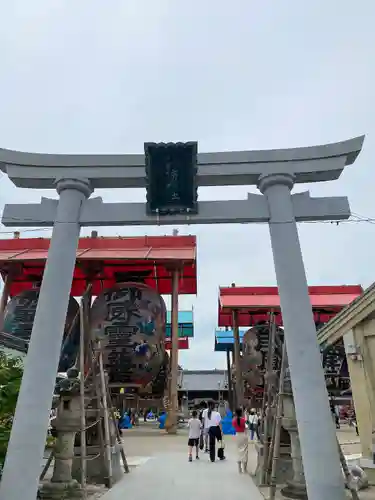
[
  {"x": 295, "y": 487},
  {"x": 61, "y": 491},
  {"x": 64, "y": 453}
]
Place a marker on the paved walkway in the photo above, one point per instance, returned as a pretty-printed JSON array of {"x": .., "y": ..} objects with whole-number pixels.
[
  {"x": 159, "y": 468},
  {"x": 169, "y": 475}
]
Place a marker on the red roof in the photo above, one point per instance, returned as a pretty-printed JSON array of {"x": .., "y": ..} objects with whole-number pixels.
[
  {"x": 107, "y": 260},
  {"x": 183, "y": 343},
  {"x": 254, "y": 303}
]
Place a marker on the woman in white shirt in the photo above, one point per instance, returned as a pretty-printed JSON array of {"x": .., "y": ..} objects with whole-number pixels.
[
  {"x": 204, "y": 431},
  {"x": 212, "y": 426},
  {"x": 253, "y": 422}
]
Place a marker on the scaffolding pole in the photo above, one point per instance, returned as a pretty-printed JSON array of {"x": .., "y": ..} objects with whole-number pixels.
[
  {"x": 4, "y": 299},
  {"x": 119, "y": 440},
  {"x": 107, "y": 440},
  {"x": 268, "y": 396},
  {"x": 99, "y": 407},
  {"x": 82, "y": 398},
  {"x": 278, "y": 422}
]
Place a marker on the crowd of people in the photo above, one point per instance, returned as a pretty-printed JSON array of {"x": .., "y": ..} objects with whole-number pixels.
[
  {"x": 206, "y": 429},
  {"x": 205, "y": 432}
]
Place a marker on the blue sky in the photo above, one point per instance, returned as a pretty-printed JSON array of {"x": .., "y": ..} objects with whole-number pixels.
[{"x": 101, "y": 77}]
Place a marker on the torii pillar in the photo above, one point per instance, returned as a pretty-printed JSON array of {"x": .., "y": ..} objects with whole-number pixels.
[
  {"x": 315, "y": 425},
  {"x": 28, "y": 436}
]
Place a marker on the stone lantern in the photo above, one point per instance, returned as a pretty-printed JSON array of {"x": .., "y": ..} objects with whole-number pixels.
[
  {"x": 66, "y": 424},
  {"x": 296, "y": 487}
]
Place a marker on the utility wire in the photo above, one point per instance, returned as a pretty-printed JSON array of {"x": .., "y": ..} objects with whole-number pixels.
[
  {"x": 37, "y": 229},
  {"x": 355, "y": 218}
]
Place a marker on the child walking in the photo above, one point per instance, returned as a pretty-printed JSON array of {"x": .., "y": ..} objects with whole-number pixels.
[{"x": 194, "y": 425}]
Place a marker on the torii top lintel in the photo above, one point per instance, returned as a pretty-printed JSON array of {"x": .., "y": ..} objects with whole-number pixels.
[{"x": 308, "y": 164}]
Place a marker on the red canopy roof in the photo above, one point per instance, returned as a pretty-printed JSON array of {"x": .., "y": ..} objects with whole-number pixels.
[
  {"x": 183, "y": 343},
  {"x": 107, "y": 261},
  {"x": 254, "y": 303}
]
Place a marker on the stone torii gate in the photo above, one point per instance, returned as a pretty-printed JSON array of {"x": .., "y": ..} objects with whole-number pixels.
[{"x": 75, "y": 177}]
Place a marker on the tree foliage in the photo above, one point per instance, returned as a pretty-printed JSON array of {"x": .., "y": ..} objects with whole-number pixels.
[{"x": 11, "y": 370}]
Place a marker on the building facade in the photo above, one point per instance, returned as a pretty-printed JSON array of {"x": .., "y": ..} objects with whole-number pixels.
[{"x": 202, "y": 385}]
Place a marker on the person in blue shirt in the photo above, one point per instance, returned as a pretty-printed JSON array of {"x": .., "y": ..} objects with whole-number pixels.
[{"x": 162, "y": 419}]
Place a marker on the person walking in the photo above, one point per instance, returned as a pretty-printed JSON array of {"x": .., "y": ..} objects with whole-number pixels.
[
  {"x": 239, "y": 424},
  {"x": 335, "y": 414},
  {"x": 258, "y": 427},
  {"x": 194, "y": 426},
  {"x": 253, "y": 423},
  {"x": 212, "y": 423},
  {"x": 356, "y": 427},
  {"x": 202, "y": 415}
]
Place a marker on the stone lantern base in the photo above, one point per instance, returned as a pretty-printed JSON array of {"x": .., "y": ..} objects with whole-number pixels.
[
  {"x": 296, "y": 487},
  {"x": 65, "y": 491},
  {"x": 61, "y": 491}
]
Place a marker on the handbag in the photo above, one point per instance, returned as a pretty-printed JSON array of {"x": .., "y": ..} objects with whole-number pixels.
[
  {"x": 201, "y": 442},
  {"x": 220, "y": 450}
]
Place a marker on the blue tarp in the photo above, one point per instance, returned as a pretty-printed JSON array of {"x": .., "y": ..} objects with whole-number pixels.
[{"x": 125, "y": 422}]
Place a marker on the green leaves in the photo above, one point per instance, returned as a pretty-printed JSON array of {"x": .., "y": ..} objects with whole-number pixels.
[{"x": 11, "y": 370}]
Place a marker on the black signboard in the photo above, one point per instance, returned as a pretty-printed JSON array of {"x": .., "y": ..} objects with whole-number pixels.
[{"x": 171, "y": 170}]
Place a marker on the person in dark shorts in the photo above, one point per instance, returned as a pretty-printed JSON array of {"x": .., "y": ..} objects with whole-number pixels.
[{"x": 194, "y": 426}]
